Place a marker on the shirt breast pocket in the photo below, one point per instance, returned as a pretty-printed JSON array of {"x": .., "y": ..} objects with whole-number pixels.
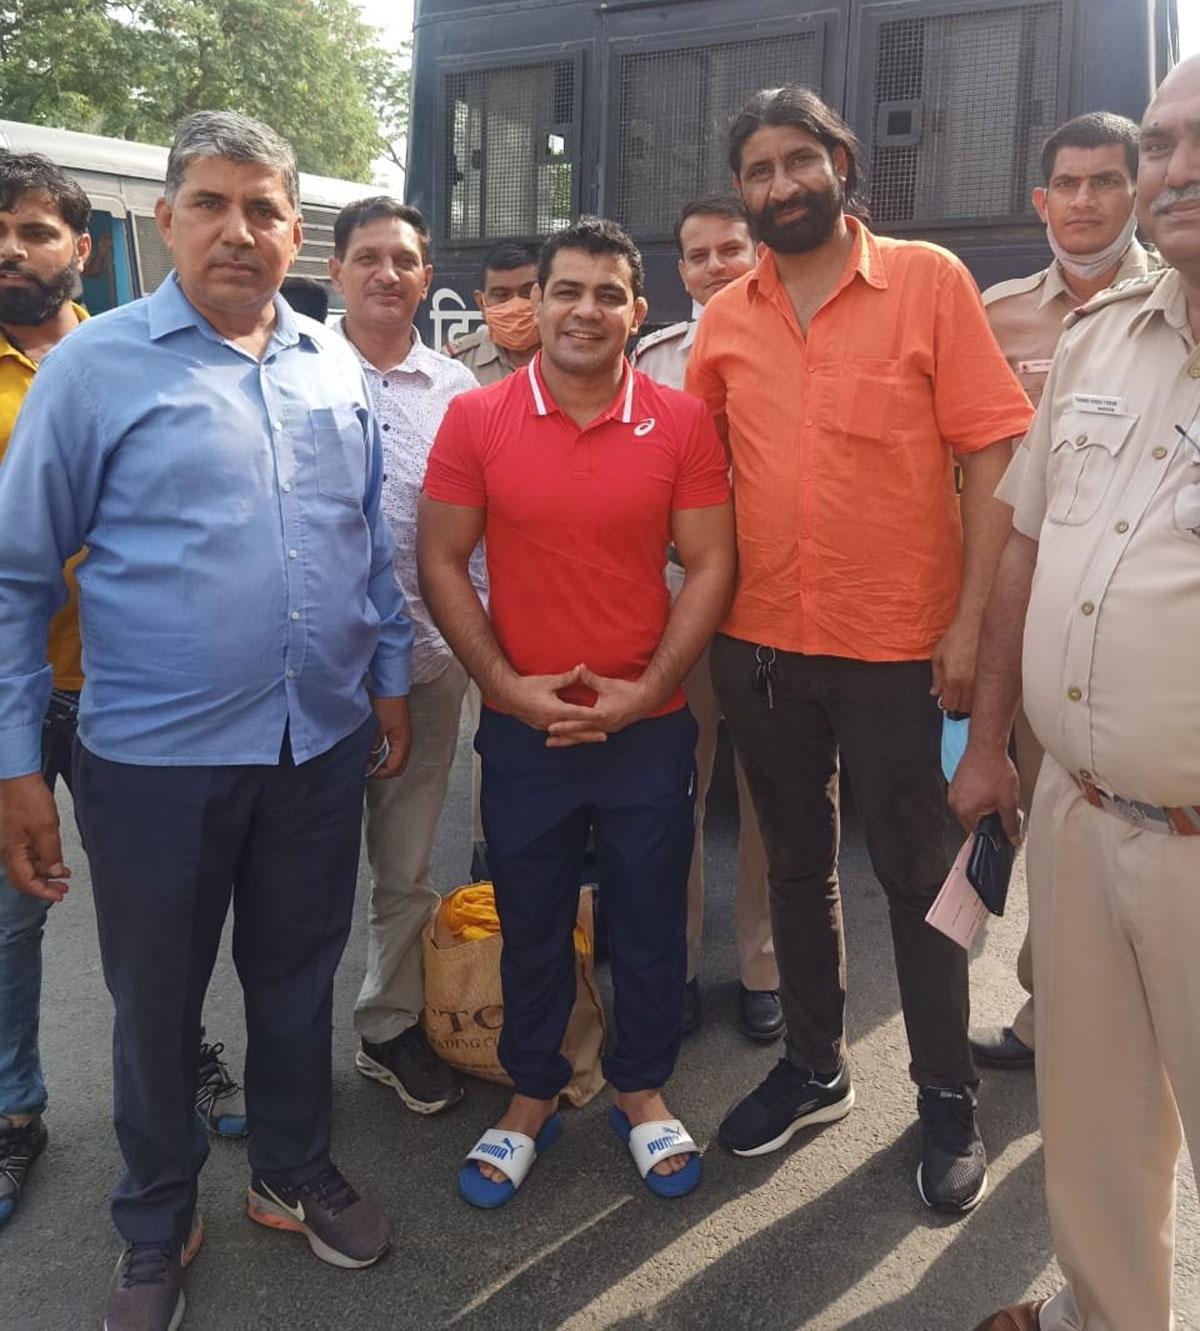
[
  {"x": 1083, "y": 462},
  {"x": 341, "y": 453}
]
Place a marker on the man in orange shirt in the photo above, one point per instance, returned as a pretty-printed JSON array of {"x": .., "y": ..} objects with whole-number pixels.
[{"x": 859, "y": 598}]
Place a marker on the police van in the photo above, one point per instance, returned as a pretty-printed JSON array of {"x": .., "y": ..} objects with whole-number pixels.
[
  {"x": 526, "y": 113},
  {"x": 124, "y": 180}
]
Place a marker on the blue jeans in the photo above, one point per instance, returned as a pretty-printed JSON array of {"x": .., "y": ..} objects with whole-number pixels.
[{"x": 22, "y": 920}]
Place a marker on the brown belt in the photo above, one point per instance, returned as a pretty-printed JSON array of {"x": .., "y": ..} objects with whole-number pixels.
[{"x": 1182, "y": 821}]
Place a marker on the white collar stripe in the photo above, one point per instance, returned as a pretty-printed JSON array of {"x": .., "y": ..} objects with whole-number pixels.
[
  {"x": 627, "y": 415},
  {"x": 538, "y": 400}
]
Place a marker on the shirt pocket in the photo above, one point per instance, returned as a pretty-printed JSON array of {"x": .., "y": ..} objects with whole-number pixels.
[
  {"x": 341, "y": 453},
  {"x": 1083, "y": 462},
  {"x": 875, "y": 392},
  {"x": 1187, "y": 511}
]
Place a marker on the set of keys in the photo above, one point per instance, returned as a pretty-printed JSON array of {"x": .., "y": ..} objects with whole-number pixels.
[{"x": 764, "y": 675}]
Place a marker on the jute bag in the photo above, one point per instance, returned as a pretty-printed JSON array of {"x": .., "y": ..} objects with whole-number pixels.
[{"x": 464, "y": 1009}]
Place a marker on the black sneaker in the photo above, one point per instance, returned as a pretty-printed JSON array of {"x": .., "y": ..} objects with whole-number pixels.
[
  {"x": 410, "y": 1067},
  {"x": 789, "y": 1099},
  {"x": 952, "y": 1175},
  {"x": 146, "y": 1290},
  {"x": 219, "y": 1099},
  {"x": 341, "y": 1227},
  {"x": 19, "y": 1148}
]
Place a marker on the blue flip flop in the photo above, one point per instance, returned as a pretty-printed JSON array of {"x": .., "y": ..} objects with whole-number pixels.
[
  {"x": 651, "y": 1142},
  {"x": 513, "y": 1153}
]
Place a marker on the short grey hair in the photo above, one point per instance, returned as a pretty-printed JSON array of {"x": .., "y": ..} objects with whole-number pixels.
[{"x": 234, "y": 136}]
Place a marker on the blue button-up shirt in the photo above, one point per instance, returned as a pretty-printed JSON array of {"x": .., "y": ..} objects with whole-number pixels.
[{"x": 239, "y": 574}]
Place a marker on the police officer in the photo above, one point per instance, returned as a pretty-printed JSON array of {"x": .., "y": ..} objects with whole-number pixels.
[
  {"x": 1101, "y": 577},
  {"x": 1090, "y": 167},
  {"x": 509, "y": 336},
  {"x": 716, "y": 248}
]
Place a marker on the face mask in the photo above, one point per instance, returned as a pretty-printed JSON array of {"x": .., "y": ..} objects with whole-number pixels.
[
  {"x": 1090, "y": 266},
  {"x": 511, "y": 324}
]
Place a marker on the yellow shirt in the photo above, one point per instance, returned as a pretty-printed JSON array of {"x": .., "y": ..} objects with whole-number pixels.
[{"x": 64, "y": 649}]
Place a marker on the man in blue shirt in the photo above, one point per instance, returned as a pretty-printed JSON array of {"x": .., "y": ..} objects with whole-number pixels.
[{"x": 217, "y": 455}]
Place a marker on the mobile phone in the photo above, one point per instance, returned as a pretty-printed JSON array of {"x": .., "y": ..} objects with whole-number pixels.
[{"x": 990, "y": 864}]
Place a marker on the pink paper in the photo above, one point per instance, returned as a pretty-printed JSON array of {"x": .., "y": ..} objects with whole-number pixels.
[{"x": 958, "y": 912}]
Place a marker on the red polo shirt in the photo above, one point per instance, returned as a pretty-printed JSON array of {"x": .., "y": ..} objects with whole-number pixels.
[{"x": 578, "y": 519}]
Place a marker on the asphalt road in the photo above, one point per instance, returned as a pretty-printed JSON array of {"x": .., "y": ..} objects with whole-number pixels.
[{"x": 828, "y": 1235}]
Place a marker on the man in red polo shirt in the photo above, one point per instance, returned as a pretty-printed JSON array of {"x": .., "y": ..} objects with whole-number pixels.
[
  {"x": 578, "y": 470},
  {"x": 849, "y": 371}
]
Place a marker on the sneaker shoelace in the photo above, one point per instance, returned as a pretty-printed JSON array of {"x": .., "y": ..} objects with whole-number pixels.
[
  {"x": 147, "y": 1263},
  {"x": 950, "y": 1117},
  {"x": 331, "y": 1190},
  {"x": 213, "y": 1077},
  {"x": 16, "y": 1152}
]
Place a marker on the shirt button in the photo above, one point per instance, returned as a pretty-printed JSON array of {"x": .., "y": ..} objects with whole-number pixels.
[
  {"x": 1087, "y": 776},
  {"x": 277, "y": 424},
  {"x": 1122, "y": 526},
  {"x": 1074, "y": 693},
  {"x": 812, "y": 369},
  {"x": 291, "y": 674},
  {"x": 291, "y": 554},
  {"x": 1080, "y": 440},
  {"x": 1087, "y": 607},
  {"x": 295, "y": 614},
  {"x": 385, "y": 383},
  {"x": 386, "y": 426},
  {"x": 808, "y": 420},
  {"x": 287, "y": 487},
  {"x": 1194, "y": 370},
  {"x": 1160, "y": 452}
]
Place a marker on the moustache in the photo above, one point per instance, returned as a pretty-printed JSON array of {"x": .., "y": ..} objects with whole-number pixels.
[
  {"x": 12, "y": 266},
  {"x": 1172, "y": 197}
]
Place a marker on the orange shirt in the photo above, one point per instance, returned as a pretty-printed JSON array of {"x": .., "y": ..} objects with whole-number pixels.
[
  {"x": 63, "y": 650},
  {"x": 842, "y": 444}
]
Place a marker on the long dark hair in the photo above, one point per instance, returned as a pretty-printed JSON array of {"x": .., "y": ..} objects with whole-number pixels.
[{"x": 801, "y": 107}]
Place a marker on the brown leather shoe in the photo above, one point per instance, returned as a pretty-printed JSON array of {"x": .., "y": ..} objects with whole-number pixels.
[{"x": 1021, "y": 1317}]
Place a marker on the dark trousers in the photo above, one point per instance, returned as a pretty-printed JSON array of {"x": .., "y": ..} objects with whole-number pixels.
[
  {"x": 168, "y": 847},
  {"x": 635, "y": 793},
  {"x": 881, "y": 718}
]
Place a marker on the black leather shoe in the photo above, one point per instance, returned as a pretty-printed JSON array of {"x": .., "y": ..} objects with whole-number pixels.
[
  {"x": 760, "y": 1013},
  {"x": 998, "y": 1047},
  {"x": 691, "y": 1006}
]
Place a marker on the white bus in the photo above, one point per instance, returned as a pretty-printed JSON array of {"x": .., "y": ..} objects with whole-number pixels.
[{"x": 124, "y": 180}]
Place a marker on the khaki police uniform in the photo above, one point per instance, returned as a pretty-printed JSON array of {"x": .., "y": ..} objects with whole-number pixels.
[
  {"x": 1110, "y": 488},
  {"x": 486, "y": 361},
  {"x": 663, "y": 356},
  {"x": 1026, "y": 314}
]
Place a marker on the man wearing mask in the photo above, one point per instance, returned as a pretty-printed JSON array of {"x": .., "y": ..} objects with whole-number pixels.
[
  {"x": 510, "y": 336},
  {"x": 381, "y": 267},
  {"x": 715, "y": 248},
  {"x": 1090, "y": 168},
  {"x": 849, "y": 371},
  {"x": 248, "y": 661}
]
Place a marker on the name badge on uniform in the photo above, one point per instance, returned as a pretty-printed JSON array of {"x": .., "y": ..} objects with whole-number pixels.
[
  {"x": 1034, "y": 366},
  {"x": 1099, "y": 404}
]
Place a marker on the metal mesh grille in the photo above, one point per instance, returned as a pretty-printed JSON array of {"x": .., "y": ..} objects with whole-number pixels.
[
  {"x": 962, "y": 104},
  {"x": 313, "y": 259},
  {"x": 153, "y": 258},
  {"x": 510, "y": 147},
  {"x": 674, "y": 109}
]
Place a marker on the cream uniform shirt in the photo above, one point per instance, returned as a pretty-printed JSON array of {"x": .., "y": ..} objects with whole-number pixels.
[
  {"x": 1027, "y": 313},
  {"x": 663, "y": 355},
  {"x": 1110, "y": 489}
]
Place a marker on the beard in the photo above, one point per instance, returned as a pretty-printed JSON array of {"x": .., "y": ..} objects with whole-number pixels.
[
  {"x": 806, "y": 232},
  {"x": 27, "y": 307}
]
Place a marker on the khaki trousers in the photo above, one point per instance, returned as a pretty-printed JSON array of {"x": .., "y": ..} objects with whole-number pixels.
[
  {"x": 1116, "y": 932},
  {"x": 755, "y": 943},
  {"x": 1029, "y": 764},
  {"x": 401, "y": 822}
]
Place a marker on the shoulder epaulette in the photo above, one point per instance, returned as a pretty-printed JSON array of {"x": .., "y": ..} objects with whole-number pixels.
[
  {"x": 659, "y": 336},
  {"x": 1130, "y": 289},
  {"x": 455, "y": 346},
  {"x": 1014, "y": 286}
]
